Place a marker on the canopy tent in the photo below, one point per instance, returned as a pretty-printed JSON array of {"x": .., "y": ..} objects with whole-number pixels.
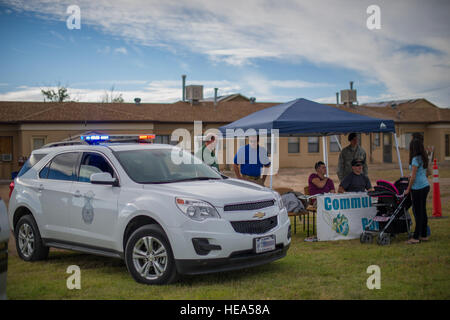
[
  {"x": 309, "y": 118},
  {"x": 302, "y": 117}
]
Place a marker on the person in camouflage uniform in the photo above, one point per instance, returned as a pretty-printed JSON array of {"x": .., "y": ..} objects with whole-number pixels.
[
  {"x": 208, "y": 153},
  {"x": 352, "y": 152}
]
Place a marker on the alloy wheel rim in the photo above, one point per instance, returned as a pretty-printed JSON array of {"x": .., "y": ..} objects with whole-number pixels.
[
  {"x": 150, "y": 258},
  {"x": 26, "y": 240}
]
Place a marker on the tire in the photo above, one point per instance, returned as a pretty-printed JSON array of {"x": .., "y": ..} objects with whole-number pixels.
[
  {"x": 365, "y": 237},
  {"x": 149, "y": 257},
  {"x": 384, "y": 240},
  {"x": 29, "y": 243}
]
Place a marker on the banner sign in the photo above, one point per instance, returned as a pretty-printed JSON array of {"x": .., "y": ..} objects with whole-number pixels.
[{"x": 342, "y": 216}]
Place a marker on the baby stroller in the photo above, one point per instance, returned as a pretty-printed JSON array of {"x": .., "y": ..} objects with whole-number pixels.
[{"x": 392, "y": 212}]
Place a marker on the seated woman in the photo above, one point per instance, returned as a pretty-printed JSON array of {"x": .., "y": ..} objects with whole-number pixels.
[{"x": 318, "y": 183}]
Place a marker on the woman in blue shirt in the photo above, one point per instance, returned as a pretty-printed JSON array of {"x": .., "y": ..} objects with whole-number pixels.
[{"x": 419, "y": 188}]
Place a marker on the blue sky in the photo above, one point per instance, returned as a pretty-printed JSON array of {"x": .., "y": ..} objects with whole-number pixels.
[{"x": 271, "y": 50}]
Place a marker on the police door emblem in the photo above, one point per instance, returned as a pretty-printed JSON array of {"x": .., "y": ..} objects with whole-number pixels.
[{"x": 87, "y": 212}]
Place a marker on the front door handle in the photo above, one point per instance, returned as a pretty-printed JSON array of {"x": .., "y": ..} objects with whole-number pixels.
[
  {"x": 77, "y": 194},
  {"x": 41, "y": 187}
]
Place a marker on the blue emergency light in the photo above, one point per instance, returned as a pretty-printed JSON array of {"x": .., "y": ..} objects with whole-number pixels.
[{"x": 95, "y": 138}]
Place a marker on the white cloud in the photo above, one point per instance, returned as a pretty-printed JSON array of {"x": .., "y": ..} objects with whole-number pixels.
[
  {"x": 325, "y": 33},
  {"x": 104, "y": 50},
  {"x": 121, "y": 50}
]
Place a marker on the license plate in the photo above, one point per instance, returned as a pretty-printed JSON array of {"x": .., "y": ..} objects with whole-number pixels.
[{"x": 265, "y": 244}]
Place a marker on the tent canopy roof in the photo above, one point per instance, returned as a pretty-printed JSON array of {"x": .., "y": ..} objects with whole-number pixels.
[{"x": 302, "y": 117}]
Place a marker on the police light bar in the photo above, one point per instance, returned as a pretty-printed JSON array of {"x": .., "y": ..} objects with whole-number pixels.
[{"x": 98, "y": 138}]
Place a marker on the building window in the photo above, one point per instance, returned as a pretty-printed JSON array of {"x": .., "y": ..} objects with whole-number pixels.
[
  {"x": 334, "y": 146},
  {"x": 269, "y": 145},
  {"x": 38, "y": 142},
  {"x": 162, "y": 139},
  {"x": 376, "y": 139},
  {"x": 313, "y": 144},
  {"x": 293, "y": 145}
]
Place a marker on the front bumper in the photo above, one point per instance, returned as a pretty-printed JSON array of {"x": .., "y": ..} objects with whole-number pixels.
[
  {"x": 220, "y": 238},
  {"x": 237, "y": 260}
]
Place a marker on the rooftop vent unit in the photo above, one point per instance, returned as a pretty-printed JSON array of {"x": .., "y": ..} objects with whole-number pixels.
[
  {"x": 137, "y": 101},
  {"x": 348, "y": 97},
  {"x": 252, "y": 100},
  {"x": 194, "y": 93}
]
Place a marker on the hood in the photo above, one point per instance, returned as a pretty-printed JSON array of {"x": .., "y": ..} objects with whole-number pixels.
[{"x": 216, "y": 192}]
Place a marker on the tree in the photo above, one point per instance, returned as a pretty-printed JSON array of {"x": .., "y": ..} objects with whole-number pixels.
[
  {"x": 110, "y": 97},
  {"x": 60, "y": 95}
]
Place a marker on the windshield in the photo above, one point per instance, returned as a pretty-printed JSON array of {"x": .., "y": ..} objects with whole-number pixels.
[{"x": 156, "y": 166}]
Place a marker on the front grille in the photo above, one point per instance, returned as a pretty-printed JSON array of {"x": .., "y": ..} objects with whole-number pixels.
[
  {"x": 249, "y": 206},
  {"x": 255, "y": 226}
]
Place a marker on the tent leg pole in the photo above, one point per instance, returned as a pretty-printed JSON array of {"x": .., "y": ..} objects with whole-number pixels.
[
  {"x": 338, "y": 143},
  {"x": 398, "y": 154},
  {"x": 272, "y": 148},
  {"x": 325, "y": 152}
]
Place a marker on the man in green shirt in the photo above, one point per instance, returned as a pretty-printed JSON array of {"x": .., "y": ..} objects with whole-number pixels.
[
  {"x": 352, "y": 152},
  {"x": 207, "y": 152}
]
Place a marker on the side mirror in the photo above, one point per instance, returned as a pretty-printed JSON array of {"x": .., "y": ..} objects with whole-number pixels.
[{"x": 104, "y": 178}]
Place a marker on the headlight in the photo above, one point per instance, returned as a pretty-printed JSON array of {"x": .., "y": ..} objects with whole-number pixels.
[
  {"x": 279, "y": 200},
  {"x": 196, "y": 209}
]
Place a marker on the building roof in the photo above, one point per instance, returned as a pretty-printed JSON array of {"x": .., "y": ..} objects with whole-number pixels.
[
  {"x": 403, "y": 111},
  {"x": 25, "y": 112},
  {"x": 229, "y": 97}
]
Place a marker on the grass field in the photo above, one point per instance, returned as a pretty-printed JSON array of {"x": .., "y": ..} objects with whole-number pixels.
[{"x": 311, "y": 270}]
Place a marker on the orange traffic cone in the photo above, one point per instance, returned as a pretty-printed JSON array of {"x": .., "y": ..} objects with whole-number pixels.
[{"x": 437, "y": 209}]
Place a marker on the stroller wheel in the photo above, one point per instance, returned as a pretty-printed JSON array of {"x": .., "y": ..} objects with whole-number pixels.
[
  {"x": 384, "y": 239},
  {"x": 366, "y": 237}
]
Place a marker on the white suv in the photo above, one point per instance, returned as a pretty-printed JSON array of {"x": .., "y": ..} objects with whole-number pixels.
[{"x": 131, "y": 201}]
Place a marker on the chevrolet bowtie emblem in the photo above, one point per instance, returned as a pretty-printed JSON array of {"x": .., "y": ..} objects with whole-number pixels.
[{"x": 259, "y": 215}]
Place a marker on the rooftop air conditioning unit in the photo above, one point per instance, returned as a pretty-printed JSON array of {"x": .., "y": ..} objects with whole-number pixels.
[
  {"x": 194, "y": 93},
  {"x": 348, "y": 96}
]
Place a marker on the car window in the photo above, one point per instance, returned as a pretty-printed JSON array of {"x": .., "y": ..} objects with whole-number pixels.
[
  {"x": 44, "y": 171},
  {"x": 32, "y": 160},
  {"x": 93, "y": 163},
  {"x": 62, "y": 167}
]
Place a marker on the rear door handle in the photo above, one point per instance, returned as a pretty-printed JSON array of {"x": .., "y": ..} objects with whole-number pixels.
[{"x": 41, "y": 187}]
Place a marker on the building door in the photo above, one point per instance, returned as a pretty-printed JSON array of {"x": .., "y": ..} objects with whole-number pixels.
[
  {"x": 387, "y": 147},
  {"x": 6, "y": 157}
]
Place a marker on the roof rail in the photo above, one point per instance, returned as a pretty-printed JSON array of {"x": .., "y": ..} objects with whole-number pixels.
[{"x": 63, "y": 143}]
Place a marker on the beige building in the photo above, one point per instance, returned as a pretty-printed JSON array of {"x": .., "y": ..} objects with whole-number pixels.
[{"x": 25, "y": 126}]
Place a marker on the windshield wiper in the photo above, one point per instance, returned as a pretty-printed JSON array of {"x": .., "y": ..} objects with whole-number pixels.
[{"x": 194, "y": 179}]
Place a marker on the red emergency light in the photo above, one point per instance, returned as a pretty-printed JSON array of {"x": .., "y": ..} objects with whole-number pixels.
[{"x": 147, "y": 137}]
